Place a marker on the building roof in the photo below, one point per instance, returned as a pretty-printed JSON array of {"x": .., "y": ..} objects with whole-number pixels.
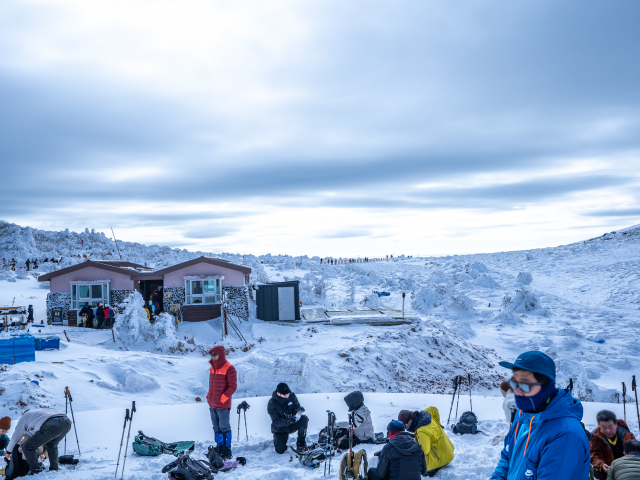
[
  {"x": 212, "y": 261},
  {"x": 139, "y": 271}
]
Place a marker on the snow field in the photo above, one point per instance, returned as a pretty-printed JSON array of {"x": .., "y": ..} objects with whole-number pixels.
[{"x": 99, "y": 433}]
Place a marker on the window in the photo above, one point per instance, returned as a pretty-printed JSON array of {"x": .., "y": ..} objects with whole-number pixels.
[
  {"x": 89, "y": 294},
  {"x": 200, "y": 292}
]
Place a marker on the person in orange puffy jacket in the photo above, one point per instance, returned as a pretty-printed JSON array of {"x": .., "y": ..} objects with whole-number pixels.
[{"x": 222, "y": 384}]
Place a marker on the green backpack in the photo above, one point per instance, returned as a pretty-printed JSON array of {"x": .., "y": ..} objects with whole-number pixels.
[{"x": 152, "y": 447}]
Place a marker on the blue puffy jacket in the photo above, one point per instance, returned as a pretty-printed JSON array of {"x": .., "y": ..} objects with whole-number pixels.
[{"x": 550, "y": 445}]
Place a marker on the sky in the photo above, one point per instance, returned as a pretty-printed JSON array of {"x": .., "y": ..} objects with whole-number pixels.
[{"x": 359, "y": 128}]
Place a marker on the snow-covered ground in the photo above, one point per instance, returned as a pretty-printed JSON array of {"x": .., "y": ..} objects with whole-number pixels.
[{"x": 579, "y": 303}]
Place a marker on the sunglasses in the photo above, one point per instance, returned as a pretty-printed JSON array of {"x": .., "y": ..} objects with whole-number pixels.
[{"x": 525, "y": 387}]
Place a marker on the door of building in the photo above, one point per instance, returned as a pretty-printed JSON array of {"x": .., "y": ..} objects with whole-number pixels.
[{"x": 286, "y": 303}]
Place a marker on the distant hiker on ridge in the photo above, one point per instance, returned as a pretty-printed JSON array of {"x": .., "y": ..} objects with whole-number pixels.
[
  {"x": 223, "y": 381},
  {"x": 546, "y": 439}
]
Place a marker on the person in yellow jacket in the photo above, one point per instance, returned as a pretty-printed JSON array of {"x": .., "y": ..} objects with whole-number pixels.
[{"x": 425, "y": 425}]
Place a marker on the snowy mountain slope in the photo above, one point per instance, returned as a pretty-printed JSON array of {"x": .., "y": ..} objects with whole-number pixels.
[{"x": 560, "y": 300}]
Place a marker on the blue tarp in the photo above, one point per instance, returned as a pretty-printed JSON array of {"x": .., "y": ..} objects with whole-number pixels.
[{"x": 17, "y": 349}]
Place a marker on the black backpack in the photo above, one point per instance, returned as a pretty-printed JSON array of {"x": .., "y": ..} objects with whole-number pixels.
[
  {"x": 187, "y": 468},
  {"x": 339, "y": 434},
  {"x": 468, "y": 423}
]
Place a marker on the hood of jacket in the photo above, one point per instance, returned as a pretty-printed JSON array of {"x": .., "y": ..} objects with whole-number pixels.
[
  {"x": 405, "y": 444},
  {"x": 563, "y": 405},
  {"x": 222, "y": 357},
  {"x": 354, "y": 400},
  {"x": 420, "y": 419}
]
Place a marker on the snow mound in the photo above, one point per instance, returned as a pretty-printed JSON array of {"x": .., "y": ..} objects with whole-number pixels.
[
  {"x": 524, "y": 278},
  {"x": 583, "y": 388},
  {"x": 484, "y": 281},
  {"x": 440, "y": 295},
  {"x": 134, "y": 329},
  {"x": 134, "y": 382}
]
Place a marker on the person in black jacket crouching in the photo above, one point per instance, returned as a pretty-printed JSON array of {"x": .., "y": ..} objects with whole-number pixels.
[
  {"x": 401, "y": 459},
  {"x": 286, "y": 417}
]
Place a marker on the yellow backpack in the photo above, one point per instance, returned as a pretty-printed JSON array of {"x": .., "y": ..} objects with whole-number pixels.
[{"x": 354, "y": 466}]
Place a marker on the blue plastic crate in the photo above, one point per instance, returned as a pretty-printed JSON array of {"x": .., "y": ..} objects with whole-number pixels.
[
  {"x": 48, "y": 343},
  {"x": 17, "y": 349}
]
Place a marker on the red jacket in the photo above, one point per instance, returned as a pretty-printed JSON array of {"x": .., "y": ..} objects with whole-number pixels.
[{"x": 223, "y": 380}]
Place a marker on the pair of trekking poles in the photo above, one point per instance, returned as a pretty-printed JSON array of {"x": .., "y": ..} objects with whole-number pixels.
[
  {"x": 68, "y": 401},
  {"x": 127, "y": 418},
  {"x": 244, "y": 406},
  {"x": 457, "y": 383},
  {"x": 634, "y": 388}
]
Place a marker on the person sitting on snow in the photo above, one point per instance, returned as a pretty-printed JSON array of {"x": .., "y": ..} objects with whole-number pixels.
[
  {"x": 627, "y": 467},
  {"x": 223, "y": 381},
  {"x": 607, "y": 442},
  {"x": 509, "y": 402},
  {"x": 401, "y": 459},
  {"x": 436, "y": 446},
  {"x": 546, "y": 439},
  {"x": 286, "y": 418},
  {"x": 363, "y": 431}
]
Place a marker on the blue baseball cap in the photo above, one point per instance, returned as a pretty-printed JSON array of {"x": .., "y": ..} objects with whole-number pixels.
[{"x": 534, "y": 361}]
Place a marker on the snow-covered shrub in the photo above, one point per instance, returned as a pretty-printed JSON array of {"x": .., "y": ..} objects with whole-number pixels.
[
  {"x": 484, "y": 281},
  {"x": 524, "y": 278},
  {"x": 133, "y": 327},
  {"x": 431, "y": 297},
  {"x": 524, "y": 301}
]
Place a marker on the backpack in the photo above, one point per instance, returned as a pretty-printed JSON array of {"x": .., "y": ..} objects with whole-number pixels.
[
  {"x": 468, "y": 423},
  {"x": 186, "y": 468},
  {"x": 354, "y": 465},
  {"x": 152, "y": 447},
  {"x": 313, "y": 459},
  {"x": 340, "y": 434}
]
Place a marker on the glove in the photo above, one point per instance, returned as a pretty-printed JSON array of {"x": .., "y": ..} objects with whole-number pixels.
[
  {"x": 301, "y": 410},
  {"x": 290, "y": 418},
  {"x": 378, "y": 453}
]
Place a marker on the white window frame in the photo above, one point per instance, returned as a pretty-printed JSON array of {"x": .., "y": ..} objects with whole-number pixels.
[
  {"x": 206, "y": 298},
  {"x": 77, "y": 302}
]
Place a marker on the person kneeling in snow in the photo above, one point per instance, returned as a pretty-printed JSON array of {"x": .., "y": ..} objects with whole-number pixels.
[
  {"x": 546, "y": 439},
  {"x": 401, "y": 459},
  {"x": 436, "y": 446},
  {"x": 363, "y": 431},
  {"x": 607, "y": 442},
  {"x": 42, "y": 426},
  {"x": 287, "y": 417},
  {"x": 222, "y": 384}
]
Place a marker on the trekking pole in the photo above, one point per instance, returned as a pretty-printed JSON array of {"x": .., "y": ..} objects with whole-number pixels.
[
  {"x": 246, "y": 429},
  {"x": 66, "y": 407},
  {"x": 328, "y": 447},
  {"x": 126, "y": 419},
  {"x": 470, "y": 402},
  {"x": 570, "y": 387},
  {"x": 133, "y": 409},
  {"x": 243, "y": 406},
  {"x": 68, "y": 395},
  {"x": 458, "y": 402},
  {"x": 453, "y": 399},
  {"x": 633, "y": 387},
  {"x": 624, "y": 400}
]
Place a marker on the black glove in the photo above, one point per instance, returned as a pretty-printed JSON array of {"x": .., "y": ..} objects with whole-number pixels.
[{"x": 378, "y": 453}]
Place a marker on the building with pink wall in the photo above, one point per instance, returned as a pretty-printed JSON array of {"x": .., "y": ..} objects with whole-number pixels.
[{"x": 196, "y": 289}]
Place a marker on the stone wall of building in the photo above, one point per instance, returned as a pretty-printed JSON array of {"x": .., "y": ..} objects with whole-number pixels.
[
  {"x": 237, "y": 299},
  {"x": 58, "y": 300}
]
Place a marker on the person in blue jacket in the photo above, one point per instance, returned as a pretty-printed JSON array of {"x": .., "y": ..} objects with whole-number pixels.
[{"x": 546, "y": 440}]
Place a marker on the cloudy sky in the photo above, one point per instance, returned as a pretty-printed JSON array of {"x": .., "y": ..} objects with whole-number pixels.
[{"x": 322, "y": 127}]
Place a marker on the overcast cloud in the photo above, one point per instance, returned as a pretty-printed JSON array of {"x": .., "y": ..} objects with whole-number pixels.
[{"x": 322, "y": 128}]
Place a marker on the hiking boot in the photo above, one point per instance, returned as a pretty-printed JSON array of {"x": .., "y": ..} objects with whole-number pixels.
[
  {"x": 302, "y": 447},
  {"x": 225, "y": 453}
]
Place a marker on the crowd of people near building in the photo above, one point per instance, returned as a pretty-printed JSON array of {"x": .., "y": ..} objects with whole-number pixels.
[
  {"x": 29, "y": 264},
  {"x": 546, "y": 438}
]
